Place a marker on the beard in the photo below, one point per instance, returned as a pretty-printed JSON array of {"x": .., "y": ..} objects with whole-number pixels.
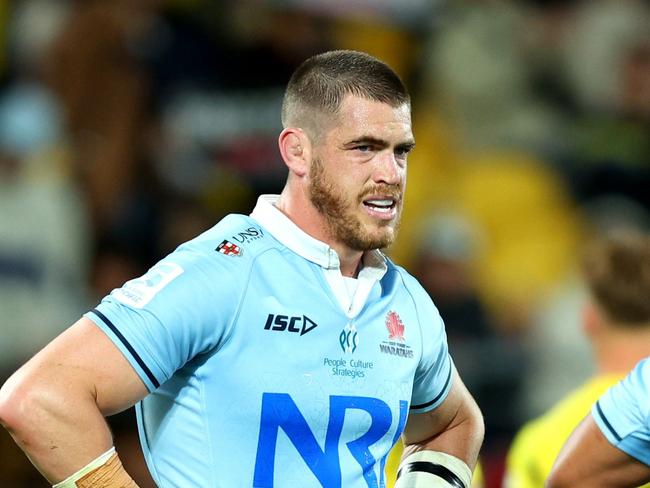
[{"x": 339, "y": 212}]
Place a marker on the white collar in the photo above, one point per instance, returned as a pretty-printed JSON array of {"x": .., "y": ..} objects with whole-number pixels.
[
  {"x": 296, "y": 239},
  {"x": 293, "y": 237}
]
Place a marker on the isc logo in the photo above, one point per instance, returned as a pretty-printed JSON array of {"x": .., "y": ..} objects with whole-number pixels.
[{"x": 301, "y": 325}]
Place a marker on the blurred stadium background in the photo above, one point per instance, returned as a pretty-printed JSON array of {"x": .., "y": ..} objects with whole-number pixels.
[{"x": 127, "y": 127}]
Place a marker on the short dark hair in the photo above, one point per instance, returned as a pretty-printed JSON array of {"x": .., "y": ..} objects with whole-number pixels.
[
  {"x": 322, "y": 81},
  {"x": 617, "y": 271}
]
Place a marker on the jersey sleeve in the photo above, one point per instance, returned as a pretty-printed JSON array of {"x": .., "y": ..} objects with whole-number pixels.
[
  {"x": 183, "y": 306},
  {"x": 623, "y": 413},
  {"x": 433, "y": 376}
]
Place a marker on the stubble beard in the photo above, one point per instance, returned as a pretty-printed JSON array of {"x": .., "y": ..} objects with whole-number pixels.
[{"x": 342, "y": 224}]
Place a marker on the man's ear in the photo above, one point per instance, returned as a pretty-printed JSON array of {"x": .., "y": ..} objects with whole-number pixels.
[{"x": 295, "y": 149}]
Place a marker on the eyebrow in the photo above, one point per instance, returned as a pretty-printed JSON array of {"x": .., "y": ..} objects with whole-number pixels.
[
  {"x": 403, "y": 146},
  {"x": 406, "y": 146}
]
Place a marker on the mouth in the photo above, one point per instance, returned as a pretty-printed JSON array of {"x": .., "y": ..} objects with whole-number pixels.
[{"x": 382, "y": 207}]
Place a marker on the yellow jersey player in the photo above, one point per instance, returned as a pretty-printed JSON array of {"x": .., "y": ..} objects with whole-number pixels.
[{"x": 616, "y": 320}]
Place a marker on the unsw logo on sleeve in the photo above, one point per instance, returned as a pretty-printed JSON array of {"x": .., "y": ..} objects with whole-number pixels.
[{"x": 229, "y": 249}]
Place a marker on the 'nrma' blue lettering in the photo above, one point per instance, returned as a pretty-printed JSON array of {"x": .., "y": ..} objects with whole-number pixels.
[
  {"x": 280, "y": 412},
  {"x": 381, "y": 420}
]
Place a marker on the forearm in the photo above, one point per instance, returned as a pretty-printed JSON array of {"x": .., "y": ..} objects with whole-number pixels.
[{"x": 59, "y": 430}]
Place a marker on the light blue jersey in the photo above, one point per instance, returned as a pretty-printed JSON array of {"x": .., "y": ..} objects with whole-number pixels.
[
  {"x": 264, "y": 369},
  {"x": 623, "y": 413}
]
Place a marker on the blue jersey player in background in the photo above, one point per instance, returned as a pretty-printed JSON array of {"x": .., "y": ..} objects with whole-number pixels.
[
  {"x": 280, "y": 349},
  {"x": 612, "y": 445}
]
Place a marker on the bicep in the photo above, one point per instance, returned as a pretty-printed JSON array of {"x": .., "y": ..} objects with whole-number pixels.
[
  {"x": 589, "y": 459},
  {"x": 421, "y": 426},
  {"x": 454, "y": 427},
  {"x": 84, "y": 361}
]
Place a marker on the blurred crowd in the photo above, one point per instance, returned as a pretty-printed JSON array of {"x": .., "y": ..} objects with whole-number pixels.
[{"x": 127, "y": 127}]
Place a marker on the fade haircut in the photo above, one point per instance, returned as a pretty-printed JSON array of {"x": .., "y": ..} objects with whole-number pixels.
[
  {"x": 319, "y": 85},
  {"x": 617, "y": 271}
]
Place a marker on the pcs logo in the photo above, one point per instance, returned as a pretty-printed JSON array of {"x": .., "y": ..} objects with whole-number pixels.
[{"x": 300, "y": 325}]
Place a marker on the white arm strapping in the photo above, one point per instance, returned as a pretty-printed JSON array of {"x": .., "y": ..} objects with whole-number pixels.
[
  {"x": 71, "y": 481},
  {"x": 433, "y": 469}
]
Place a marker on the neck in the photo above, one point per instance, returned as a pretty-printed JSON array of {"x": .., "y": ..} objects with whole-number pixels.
[
  {"x": 297, "y": 206},
  {"x": 618, "y": 350},
  {"x": 350, "y": 262}
]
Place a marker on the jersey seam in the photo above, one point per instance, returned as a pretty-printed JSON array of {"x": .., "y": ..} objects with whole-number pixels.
[
  {"x": 207, "y": 422},
  {"x": 417, "y": 312},
  {"x": 227, "y": 338},
  {"x": 231, "y": 325},
  {"x": 240, "y": 301},
  {"x": 144, "y": 442}
]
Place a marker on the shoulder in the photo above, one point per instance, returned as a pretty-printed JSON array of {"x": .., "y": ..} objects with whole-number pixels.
[
  {"x": 400, "y": 277},
  {"x": 234, "y": 235},
  {"x": 631, "y": 393},
  {"x": 626, "y": 403},
  {"x": 213, "y": 268},
  {"x": 639, "y": 378},
  {"x": 397, "y": 277},
  {"x": 227, "y": 249},
  {"x": 411, "y": 293}
]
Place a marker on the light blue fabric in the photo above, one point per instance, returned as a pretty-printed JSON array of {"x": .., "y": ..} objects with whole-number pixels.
[
  {"x": 243, "y": 351},
  {"x": 623, "y": 413}
]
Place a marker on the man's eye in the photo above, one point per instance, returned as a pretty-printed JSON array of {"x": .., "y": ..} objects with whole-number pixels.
[{"x": 364, "y": 148}]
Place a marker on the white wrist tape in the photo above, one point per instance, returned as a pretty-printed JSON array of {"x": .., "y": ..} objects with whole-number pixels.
[
  {"x": 71, "y": 481},
  {"x": 433, "y": 469}
]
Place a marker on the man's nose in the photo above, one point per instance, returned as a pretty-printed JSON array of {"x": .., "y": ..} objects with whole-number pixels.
[{"x": 388, "y": 170}]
